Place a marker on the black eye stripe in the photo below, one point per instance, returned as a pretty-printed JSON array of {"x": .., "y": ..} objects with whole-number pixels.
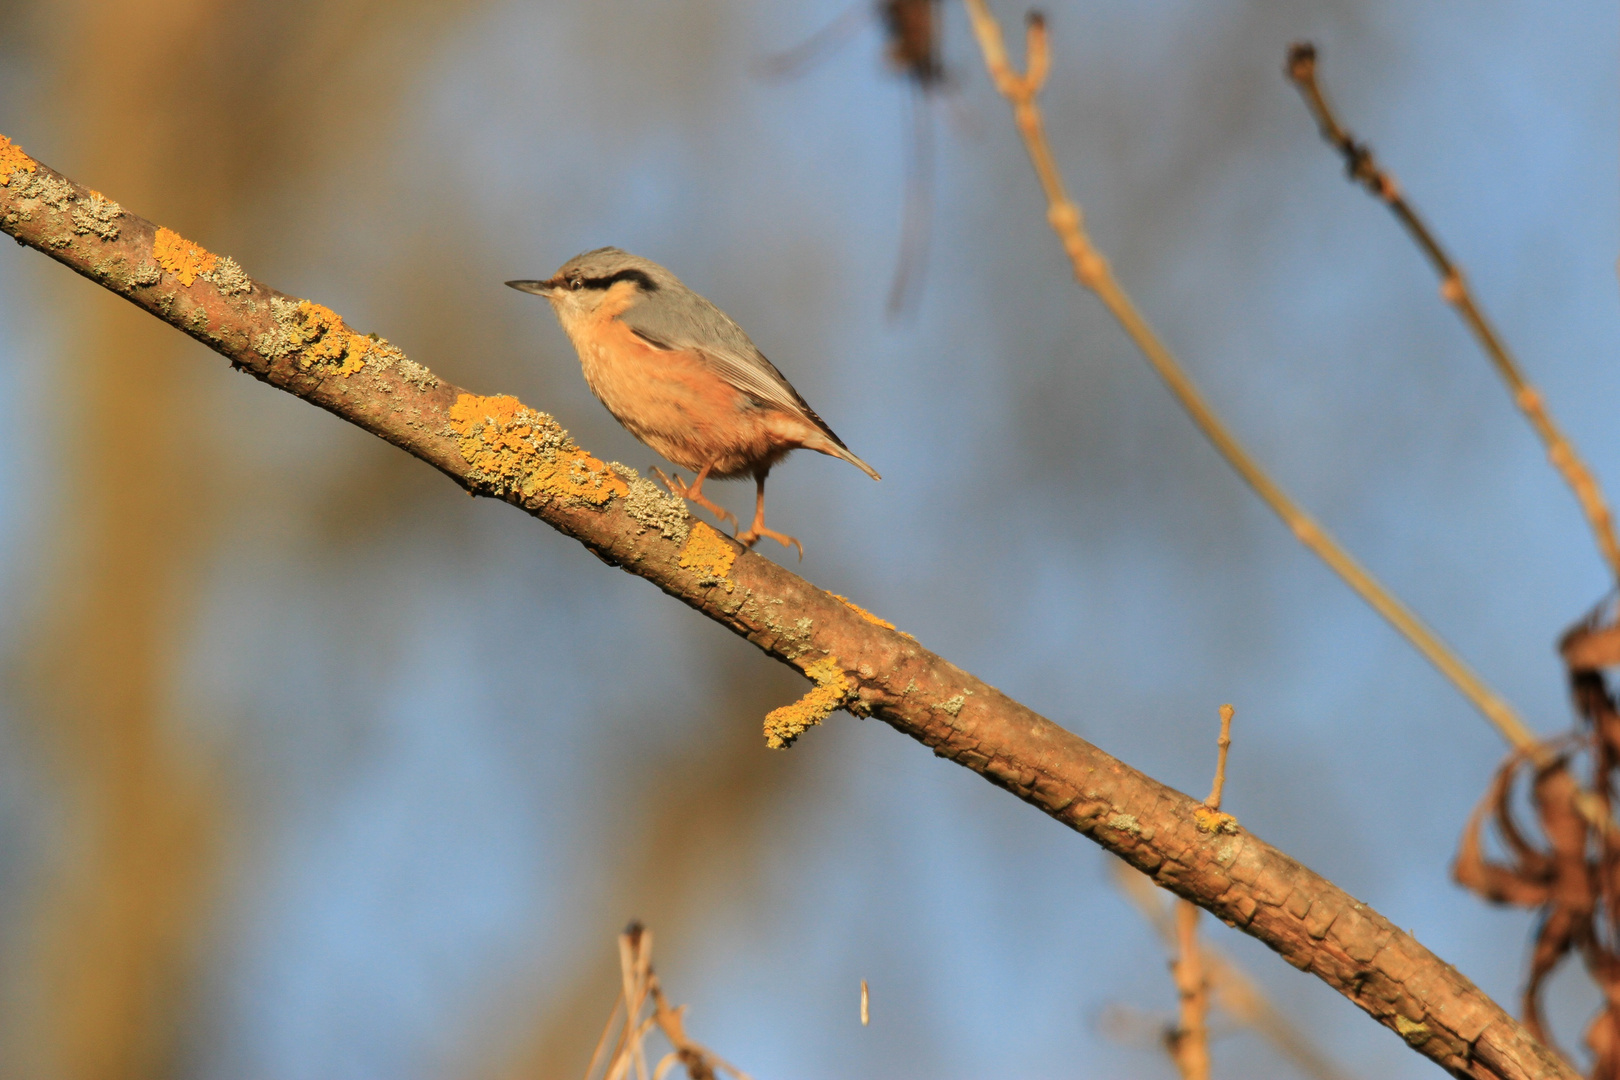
[{"x": 640, "y": 277}]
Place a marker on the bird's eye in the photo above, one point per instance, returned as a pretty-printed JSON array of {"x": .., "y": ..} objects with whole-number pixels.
[{"x": 576, "y": 284}]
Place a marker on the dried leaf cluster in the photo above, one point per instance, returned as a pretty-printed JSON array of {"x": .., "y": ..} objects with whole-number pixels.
[{"x": 1572, "y": 874}]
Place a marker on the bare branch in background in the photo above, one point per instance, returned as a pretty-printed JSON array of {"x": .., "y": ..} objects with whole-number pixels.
[
  {"x": 495, "y": 446},
  {"x": 1234, "y": 990},
  {"x": 1363, "y": 168},
  {"x": 1092, "y": 270}
]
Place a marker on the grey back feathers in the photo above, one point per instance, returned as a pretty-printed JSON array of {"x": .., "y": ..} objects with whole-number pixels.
[{"x": 668, "y": 315}]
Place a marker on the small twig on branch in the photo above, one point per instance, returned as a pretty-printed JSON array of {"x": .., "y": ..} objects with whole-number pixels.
[
  {"x": 1363, "y": 168},
  {"x": 1189, "y": 1042},
  {"x": 1222, "y": 745},
  {"x": 1092, "y": 270},
  {"x": 496, "y": 446}
]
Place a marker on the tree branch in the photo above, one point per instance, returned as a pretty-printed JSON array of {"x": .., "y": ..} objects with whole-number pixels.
[
  {"x": 1362, "y": 167},
  {"x": 494, "y": 446},
  {"x": 1092, "y": 270}
]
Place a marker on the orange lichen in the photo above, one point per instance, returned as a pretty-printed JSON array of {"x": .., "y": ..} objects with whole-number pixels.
[
  {"x": 1213, "y": 821},
  {"x": 832, "y": 687},
  {"x": 708, "y": 553},
  {"x": 12, "y": 158},
  {"x": 514, "y": 449},
  {"x": 320, "y": 333},
  {"x": 862, "y": 612},
  {"x": 181, "y": 257}
]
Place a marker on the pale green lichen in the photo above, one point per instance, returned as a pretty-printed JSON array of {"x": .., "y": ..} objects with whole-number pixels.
[
  {"x": 228, "y": 277},
  {"x": 415, "y": 374},
  {"x": 384, "y": 354},
  {"x": 277, "y": 343},
  {"x": 651, "y": 507},
  {"x": 32, "y": 189},
  {"x": 1125, "y": 823},
  {"x": 97, "y": 214},
  {"x": 951, "y": 706},
  {"x": 53, "y": 192}
]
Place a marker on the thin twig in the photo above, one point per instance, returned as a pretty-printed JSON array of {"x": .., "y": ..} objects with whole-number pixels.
[
  {"x": 1363, "y": 168},
  {"x": 639, "y": 986},
  {"x": 1234, "y": 990},
  {"x": 1222, "y": 745},
  {"x": 1189, "y": 1042},
  {"x": 1092, "y": 270},
  {"x": 497, "y": 447}
]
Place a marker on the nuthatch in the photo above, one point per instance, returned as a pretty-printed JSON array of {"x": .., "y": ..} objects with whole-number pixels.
[{"x": 683, "y": 378}]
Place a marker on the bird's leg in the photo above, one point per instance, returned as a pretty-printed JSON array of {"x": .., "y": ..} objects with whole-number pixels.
[
  {"x": 695, "y": 493},
  {"x": 758, "y": 529}
]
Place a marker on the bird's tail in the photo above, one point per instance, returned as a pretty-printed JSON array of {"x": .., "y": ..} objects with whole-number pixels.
[{"x": 833, "y": 448}]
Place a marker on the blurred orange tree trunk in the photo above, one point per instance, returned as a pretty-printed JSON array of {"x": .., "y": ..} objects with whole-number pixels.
[{"x": 120, "y": 919}]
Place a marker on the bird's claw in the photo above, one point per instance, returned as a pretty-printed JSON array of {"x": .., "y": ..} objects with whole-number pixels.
[
  {"x": 751, "y": 537},
  {"x": 678, "y": 488}
]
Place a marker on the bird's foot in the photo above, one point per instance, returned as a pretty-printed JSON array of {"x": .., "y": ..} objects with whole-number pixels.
[
  {"x": 751, "y": 537},
  {"x": 678, "y": 487}
]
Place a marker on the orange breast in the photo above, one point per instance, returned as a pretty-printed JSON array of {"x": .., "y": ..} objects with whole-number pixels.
[{"x": 669, "y": 399}]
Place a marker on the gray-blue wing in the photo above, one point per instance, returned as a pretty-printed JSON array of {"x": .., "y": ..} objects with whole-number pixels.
[{"x": 675, "y": 317}]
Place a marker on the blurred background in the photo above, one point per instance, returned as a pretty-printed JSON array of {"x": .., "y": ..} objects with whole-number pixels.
[{"x": 311, "y": 766}]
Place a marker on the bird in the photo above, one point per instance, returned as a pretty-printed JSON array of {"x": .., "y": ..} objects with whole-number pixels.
[{"x": 683, "y": 378}]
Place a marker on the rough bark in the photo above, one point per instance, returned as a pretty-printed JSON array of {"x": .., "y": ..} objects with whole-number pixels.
[{"x": 492, "y": 446}]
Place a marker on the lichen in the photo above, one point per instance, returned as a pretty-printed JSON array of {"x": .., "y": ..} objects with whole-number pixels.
[
  {"x": 952, "y": 706},
  {"x": 415, "y": 374},
  {"x": 513, "y": 449},
  {"x": 97, "y": 214},
  {"x": 384, "y": 354},
  {"x": 652, "y": 507},
  {"x": 1415, "y": 1033},
  {"x": 708, "y": 553},
  {"x": 181, "y": 257},
  {"x": 31, "y": 188},
  {"x": 13, "y": 160},
  {"x": 863, "y": 613},
  {"x": 784, "y": 725},
  {"x": 1125, "y": 823},
  {"x": 228, "y": 277},
  {"x": 1213, "y": 821},
  {"x": 318, "y": 333},
  {"x": 147, "y": 274}
]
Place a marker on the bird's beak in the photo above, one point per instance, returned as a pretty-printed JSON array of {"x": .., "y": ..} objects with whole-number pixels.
[{"x": 539, "y": 288}]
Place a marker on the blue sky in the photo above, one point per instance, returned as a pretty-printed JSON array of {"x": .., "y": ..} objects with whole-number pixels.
[{"x": 447, "y": 730}]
